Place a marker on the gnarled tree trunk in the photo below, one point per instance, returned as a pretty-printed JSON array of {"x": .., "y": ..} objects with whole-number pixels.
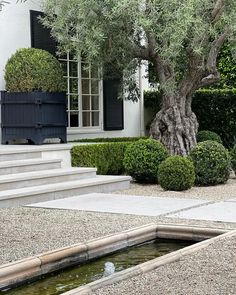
[{"x": 175, "y": 125}]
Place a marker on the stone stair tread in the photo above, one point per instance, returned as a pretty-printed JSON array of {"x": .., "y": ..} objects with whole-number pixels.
[
  {"x": 44, "y": 173},
  {"x": 28, "y": 191},
  {"x": 13, "y": 149},
  {"x": 27, "y": 162}
]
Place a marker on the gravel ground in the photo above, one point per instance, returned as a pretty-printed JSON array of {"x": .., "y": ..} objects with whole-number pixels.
[
  {"x": 213, "y": 193},
  {"x": 210, "y": 271},
  {"x": 29, "y": 231}
]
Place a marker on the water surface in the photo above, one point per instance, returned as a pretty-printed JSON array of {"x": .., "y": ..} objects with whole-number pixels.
[{"x": 65, "y": 280}]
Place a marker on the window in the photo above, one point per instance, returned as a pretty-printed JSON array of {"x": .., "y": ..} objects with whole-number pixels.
[{"x": 83, "y": 92}]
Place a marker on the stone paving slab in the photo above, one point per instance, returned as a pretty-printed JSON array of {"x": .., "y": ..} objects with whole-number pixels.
[
  {"x": 220, "y": 211},
  {"x": 112, "y": 203},
  {"x": 231, "y": 200}
]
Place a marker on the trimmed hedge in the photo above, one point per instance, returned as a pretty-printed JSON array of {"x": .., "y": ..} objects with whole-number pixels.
[
  {"x": 227, "y": 67},
  {"x": 215, "y": 110},
  {"x": 106, "y": 157},
  {"x": 142, "y": 159},
  {"x": 212, "y": 163},
  {"x": 233, "y": 158},
  {"x": 31, "y": 69},
  {"x": 110, "y": 139},
  {"x": 176, "y": 174},
  {"x": 208, "y": 135}
]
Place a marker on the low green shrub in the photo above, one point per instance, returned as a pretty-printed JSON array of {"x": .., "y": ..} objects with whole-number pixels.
[
  {"x": 142, "y": 159},
  {"x": 233, "y": 158},
  {"x": 176, "y": 173},
  {"x": 106, "y": 157},
  {"x": 208, "y": 135},
  {"x": 110, "y": 139},
  {"x": 212, "y": 163},
  {"x": 31, "y": 69}
]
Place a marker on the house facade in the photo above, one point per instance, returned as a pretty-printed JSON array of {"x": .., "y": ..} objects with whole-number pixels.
[{"x": 93, "y": 109}]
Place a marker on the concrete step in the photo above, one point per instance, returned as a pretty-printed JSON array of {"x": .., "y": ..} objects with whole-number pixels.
[
  {"x": 21, "y": 166},
  {"x": 28, "y": 179},
  {"x": 15, "y": 155},
  {"x": 45, "y": 151},
  {"x": 29, "y": 195}
]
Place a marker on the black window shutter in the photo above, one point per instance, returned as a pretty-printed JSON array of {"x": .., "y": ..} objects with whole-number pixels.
[
  {"x": 113, "y": 107},
  {"x": 40, "y": 36}
]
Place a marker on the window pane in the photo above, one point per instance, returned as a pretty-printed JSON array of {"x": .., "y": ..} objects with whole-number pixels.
[
  {"x": 85, "y": 86},
  {"x": 72, "y": 56},
  {"x": 63, "y": 56},
  {"x": 86, "y": 119},
  {"x": 86, "y": 102},
  {"x": 74, "y": 119},
  {"x": 94, "y": 86},
  {"x": 73, "y": 85},
  {"x": 95, "y": 103},
  {"x": 84, "y": 70},
  {"x": 95, "y": 118},
  {"x": 73, "y": 69},
  {"x": 74, "y": 102}
]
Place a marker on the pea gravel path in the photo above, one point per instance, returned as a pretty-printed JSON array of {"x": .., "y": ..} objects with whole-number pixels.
[
  {"x": 212, "y": 193},
  {"x": 29, "y": 231}
]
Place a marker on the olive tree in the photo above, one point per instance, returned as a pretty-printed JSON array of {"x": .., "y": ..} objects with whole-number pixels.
[
  {"x": 3, "y": 2},
  {"x": 181, "y": 39}
]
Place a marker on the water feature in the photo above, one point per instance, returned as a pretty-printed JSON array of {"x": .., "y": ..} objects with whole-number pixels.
[{"x": 65, "y": 280}]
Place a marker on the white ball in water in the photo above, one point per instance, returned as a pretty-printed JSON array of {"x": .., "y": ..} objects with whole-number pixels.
[{"x": 109, "y": 269}]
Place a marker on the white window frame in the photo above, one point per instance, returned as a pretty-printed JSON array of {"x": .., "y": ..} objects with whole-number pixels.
[{"x": 80, "y": 128}]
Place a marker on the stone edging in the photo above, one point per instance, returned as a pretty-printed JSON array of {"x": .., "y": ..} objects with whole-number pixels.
[
  {"x": 30, "y": 268},
  {"x": 145, "y": 267}
]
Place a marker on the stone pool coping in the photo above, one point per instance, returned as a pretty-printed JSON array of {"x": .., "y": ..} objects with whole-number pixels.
[
  {"x": 145, "y": 267},
  {"x": 26, "y": 270}
]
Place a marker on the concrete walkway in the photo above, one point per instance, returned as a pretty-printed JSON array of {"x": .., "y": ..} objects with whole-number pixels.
[
  {"x": 152, "y": 206},
  {"x": 219, "y": 211},
  {"x": 123, "y": 204}
]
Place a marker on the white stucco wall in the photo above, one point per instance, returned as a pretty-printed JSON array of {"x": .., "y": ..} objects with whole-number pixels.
[
  {"x": 14, "y": 30},
  {"x": 15, "y": 33}
]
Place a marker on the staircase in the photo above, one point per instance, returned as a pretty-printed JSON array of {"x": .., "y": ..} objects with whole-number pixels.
[{"x": 31, "y": 174}]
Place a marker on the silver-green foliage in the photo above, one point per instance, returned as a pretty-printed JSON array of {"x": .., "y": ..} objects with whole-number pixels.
[
  {"x": 3, "y": 2},
  {"x": 168, "y": 33}
]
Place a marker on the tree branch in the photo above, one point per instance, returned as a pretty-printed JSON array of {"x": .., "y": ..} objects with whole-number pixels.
[
  {"x": 141, "y": 52},
  {"x": 193, "y": 74},
  {"x": 209, "y": 80},
  {"x": 215, "y": 49},
  {"x": 163, "y": 69},
  {"x": 212, "y": 75},
  {"x": 218, "y": 10}
]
